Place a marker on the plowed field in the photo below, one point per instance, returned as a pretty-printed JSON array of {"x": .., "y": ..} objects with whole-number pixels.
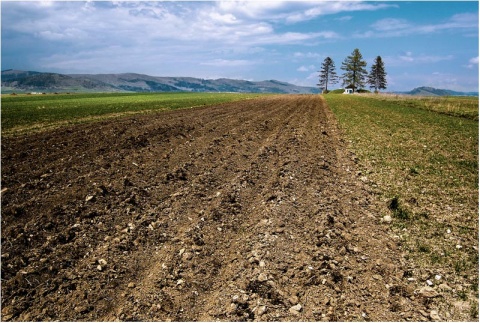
[{"x": 242, "y": 211}]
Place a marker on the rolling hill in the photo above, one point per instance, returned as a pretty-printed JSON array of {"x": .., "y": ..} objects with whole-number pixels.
[
  {"x": 30, "y": 81},
  {"x": 430, "y": 91}
]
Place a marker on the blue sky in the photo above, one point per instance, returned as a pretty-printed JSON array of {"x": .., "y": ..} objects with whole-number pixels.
[{"x": 433, "y": 43}]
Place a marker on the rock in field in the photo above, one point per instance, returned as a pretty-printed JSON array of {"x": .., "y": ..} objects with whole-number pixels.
[
  {"x": 295, "y": 309},
  {"x": 428, "y": 292}
]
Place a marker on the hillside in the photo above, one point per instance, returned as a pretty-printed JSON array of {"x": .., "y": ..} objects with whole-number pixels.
[
  {"x": 12, "y": 75},
  {"x": 430, "y": 91},
  {"x": 28, "y": 81}
]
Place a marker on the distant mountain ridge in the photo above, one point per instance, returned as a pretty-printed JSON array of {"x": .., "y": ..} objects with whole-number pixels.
[
  {"x": 430, "y": 91},
  {"x": 30, "y": 81}
]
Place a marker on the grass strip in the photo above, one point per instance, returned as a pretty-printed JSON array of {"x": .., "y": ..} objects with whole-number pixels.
[
  {"x": 24, "y": 113},
  {"x": 421, "y": 157}
]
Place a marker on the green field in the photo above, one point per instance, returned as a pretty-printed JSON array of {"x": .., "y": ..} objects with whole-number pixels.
[
  {"x": 466, "y": 107},
  {"x": 420, "y": 155},
  {"x": 26, "y": 113}
]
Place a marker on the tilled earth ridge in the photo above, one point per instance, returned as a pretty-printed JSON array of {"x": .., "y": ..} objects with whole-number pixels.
[{"x": 250, "y": 210}]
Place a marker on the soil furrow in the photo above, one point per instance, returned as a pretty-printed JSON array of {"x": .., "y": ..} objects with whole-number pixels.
[
  {"x": 242, "y": 211},
  {"x": 208, "y": 230}
]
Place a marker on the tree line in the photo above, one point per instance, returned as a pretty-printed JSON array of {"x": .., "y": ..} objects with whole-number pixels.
[{"x": 355, "y": 75}]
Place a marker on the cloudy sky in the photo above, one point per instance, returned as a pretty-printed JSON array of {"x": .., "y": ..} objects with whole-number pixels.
[{"x": 422, "y": 43}]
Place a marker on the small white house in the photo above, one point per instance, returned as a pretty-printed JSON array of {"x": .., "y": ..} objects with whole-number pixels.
[{"x": 348, "y": 91}]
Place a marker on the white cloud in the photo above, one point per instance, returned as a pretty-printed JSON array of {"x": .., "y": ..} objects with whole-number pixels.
[
  {"x": 304, "y": 68},
  {"x": 45, "y": 3},
  {"x": 313, "y": 76},
  {"x": 104, "y": 36},
  {"x": 472, "y": 62},
  {"x": 394, "y": 27},
  {"x": 150, "y": 22},
  {"x": 289, "y": 38},
  {"x": 226, "y": 62},
  {"x": 389, "y": 24},
  {"x": 461, "y": 20},
  {"x": 310, "y": 80},
  {"x": 344, "y": 18},
  {"x": 62, "y": 35},
  {"x": 408, "y": 58},
  {"x": 306, "y": 55},
  {"x": 253, "y": 9},
  {"x": 295, "y": 11},
  {"x": 332, "y": 7}
]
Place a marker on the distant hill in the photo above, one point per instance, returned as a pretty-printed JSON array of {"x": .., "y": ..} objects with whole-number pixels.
[
  {"x": 10, "y": 75},
  {"x": 430, "y": 91},
  {"x": 29, "y": 81}
]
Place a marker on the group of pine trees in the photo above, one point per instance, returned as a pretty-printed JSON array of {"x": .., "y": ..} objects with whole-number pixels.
[{"x": 355, "y": 75}]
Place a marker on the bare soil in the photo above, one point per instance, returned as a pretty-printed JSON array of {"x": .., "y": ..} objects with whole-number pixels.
[{"x": 251, "y": 210}]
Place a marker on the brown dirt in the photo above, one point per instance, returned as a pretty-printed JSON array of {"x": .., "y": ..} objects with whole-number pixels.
[{"x": 233, "y": 212}]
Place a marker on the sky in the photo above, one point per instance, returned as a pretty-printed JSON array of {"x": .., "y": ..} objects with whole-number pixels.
[{"x": 430, "y": 43}]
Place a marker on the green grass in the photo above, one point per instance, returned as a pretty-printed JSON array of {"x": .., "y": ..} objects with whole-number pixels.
[
  {"x": 25, "y": 113},
  {"x": 420, "y": 155},
  {"x": 466, "y": 107},
  {"x": 412, "y": 148}
]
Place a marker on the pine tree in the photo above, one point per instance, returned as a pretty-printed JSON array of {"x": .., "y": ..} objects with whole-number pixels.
[
  {"x": 328, "y": 75},
  {"x": 355, "y": 72},
  {"x": 377, "y": 77}
]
